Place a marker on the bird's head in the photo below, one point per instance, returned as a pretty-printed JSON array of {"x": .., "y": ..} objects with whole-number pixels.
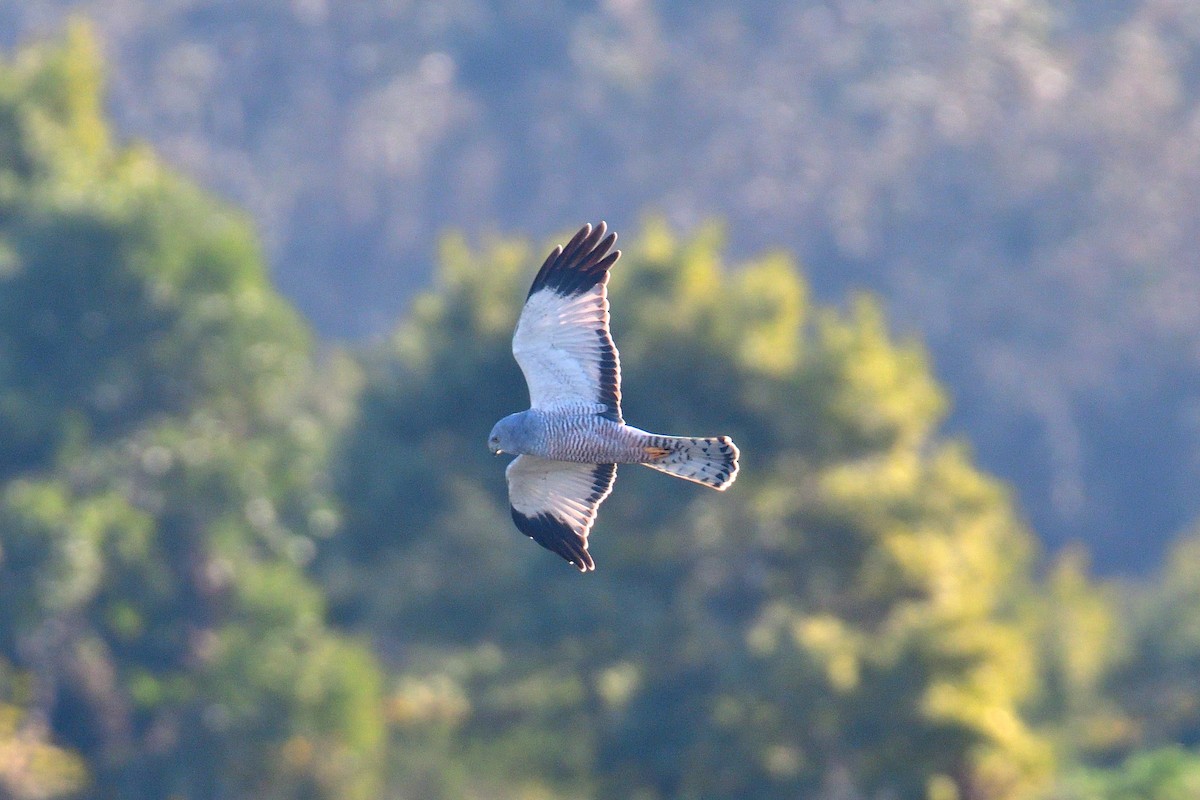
[{"x": 509, "y": 435}]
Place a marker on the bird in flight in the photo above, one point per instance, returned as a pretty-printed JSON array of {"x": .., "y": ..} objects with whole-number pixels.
[{"x": 570, "y": 440}]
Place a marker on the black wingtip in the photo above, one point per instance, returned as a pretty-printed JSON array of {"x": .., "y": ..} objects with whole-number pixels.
[
  {"x": 557, "y": 537},
  {"x": 580, "y": 264}
]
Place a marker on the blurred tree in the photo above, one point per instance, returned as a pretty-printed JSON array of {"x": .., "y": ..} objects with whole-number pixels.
[
  {"x": 1081, "y": 642},
  {"x": 1165, "y": 774},
  {"x": 1155, "y": 681},
  {"x": 161, "y": 474},
  {"x": 126, "y": 292},
  {"x": 31, "y": 768},
  {"x": 845, "y": 622}
]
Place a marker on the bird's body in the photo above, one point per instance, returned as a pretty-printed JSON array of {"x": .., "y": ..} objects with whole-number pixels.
[
  {"x": 581, "y": 435},
  {"x": 573, "y": 435}
]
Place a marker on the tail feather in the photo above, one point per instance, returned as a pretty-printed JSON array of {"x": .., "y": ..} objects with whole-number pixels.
[{"x": 711, "y": 461}]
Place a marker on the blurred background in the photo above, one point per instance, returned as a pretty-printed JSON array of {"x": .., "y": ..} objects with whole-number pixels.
[{"x": 932, "y": 264}]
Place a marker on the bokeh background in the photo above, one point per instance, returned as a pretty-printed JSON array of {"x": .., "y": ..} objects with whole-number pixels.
[{"x": 933, "y": 264}]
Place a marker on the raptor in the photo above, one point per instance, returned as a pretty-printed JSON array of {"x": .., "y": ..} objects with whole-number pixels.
[{"x": 569, "y": 441}]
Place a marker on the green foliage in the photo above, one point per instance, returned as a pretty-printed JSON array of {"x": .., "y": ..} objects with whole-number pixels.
[
  {"x": 1120, "y": 665},
  {"x": 1155, "y": 682},
  {"x": 125, "y": 293},
  {"x": 847, "y": 615},
  {"x": 1080, "y": 641},
  {"x": 1167, "y": 774},
  {"x": 31, "y": 768},
  {"x": 161, "y": 476}
]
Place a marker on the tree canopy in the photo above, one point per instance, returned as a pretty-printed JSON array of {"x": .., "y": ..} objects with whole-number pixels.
[{"x": 161, "y": 471}]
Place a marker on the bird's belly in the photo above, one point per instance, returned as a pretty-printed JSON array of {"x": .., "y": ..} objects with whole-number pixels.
[{"x": 593, "y": 441}]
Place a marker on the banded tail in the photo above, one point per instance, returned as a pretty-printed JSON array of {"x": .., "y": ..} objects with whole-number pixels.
[{"x": 711, "y": 461}]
